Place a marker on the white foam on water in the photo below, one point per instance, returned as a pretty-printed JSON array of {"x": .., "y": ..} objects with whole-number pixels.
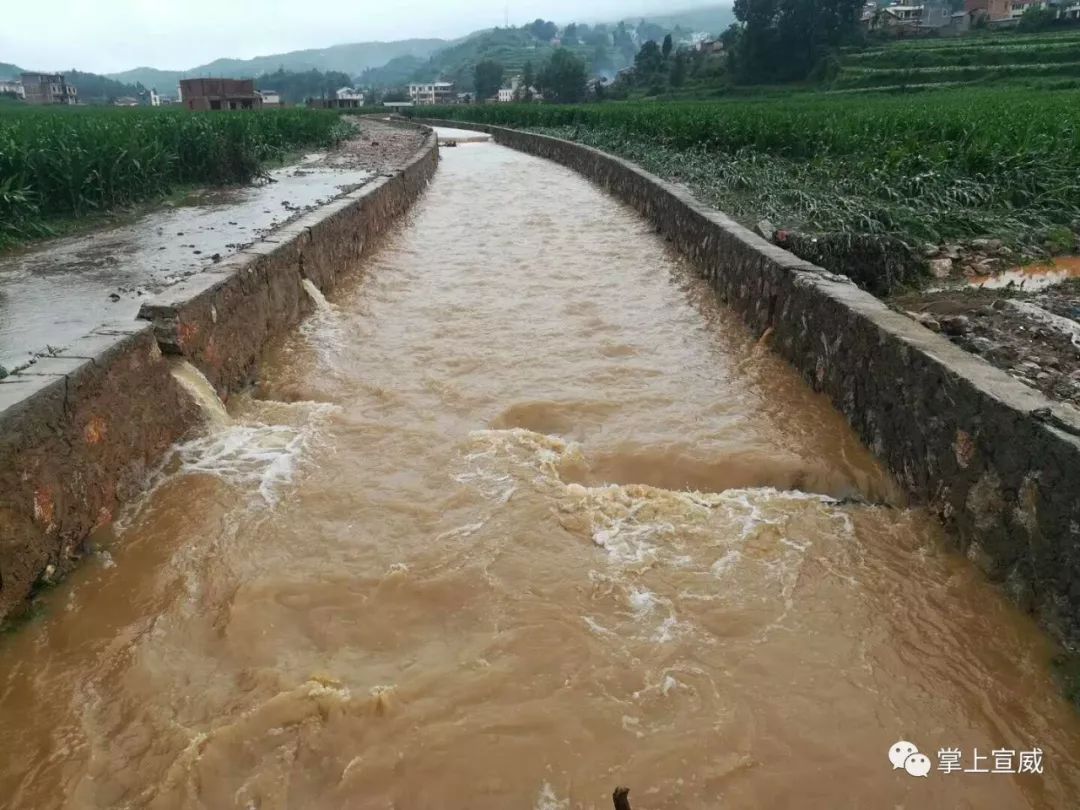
[
  {"x": 264, "y": 457},
  {"x": 664, "y": 688},
  {"x": 596, "y": 627},
  {"x": 547, "y": 800},
  {"x": 461, "y": 531},
  {"x": 261, "y": 451},
  {"x": 755, "y": 540},
  {"x": 642, "y": 601}
]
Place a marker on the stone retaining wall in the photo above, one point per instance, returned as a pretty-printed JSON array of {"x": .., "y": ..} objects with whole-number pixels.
[
  {"x": 81, "y": 430},
  {"x": 997, "y": 461},
  {"x": 221, "y": 320}
]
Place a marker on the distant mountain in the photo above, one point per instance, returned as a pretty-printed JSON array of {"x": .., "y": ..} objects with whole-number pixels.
[
  {"x": 352, "y": 59},
  {"x": 395, "y": 73},
  {"x": 94, "y": 89},
  {"x": 9, "y": 71},
  {"x": 605, "y": 47}
]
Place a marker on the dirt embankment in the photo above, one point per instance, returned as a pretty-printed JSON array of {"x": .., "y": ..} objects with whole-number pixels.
[{"x": 1024, "y": 322}]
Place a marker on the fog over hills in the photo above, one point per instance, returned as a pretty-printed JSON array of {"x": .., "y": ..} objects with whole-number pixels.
[
  {"x": 351, "y": 58},
  {"x": 356, "y": 58}
]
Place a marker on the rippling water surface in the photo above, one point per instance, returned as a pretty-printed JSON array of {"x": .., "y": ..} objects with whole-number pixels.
[{"x": 524, "y": 515}]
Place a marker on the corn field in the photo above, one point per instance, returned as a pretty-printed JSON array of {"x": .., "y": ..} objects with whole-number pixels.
[
  {"x": 61, "y": 163},
  {"x": 923, "y": 167}
]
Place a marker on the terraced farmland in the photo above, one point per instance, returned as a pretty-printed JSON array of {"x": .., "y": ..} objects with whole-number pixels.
[{"x": 1036, "y": 58}]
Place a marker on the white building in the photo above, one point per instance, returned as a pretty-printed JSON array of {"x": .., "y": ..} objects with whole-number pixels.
[
  {"x": 350, "y": 94},
  {"x": 155, "y": 99},
  {"x": 506, "y": 95},
  {"x": 432, "y": 93},
  {"x": 13, "y": 86},
  {"x": 271, "y": 98}
]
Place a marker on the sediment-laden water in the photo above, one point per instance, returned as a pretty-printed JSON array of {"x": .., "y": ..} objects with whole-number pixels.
[{"x": 524, "y": 515}]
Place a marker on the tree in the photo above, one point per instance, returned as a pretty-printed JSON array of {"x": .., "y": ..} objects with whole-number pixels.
[
  {"x": 295, "y": 88},
  {"x": 528, "y": 81},
  {"x": 487, "y": 79},
  {"x": 649, "y": 61},
  {"x": 783, "y": 40},
  {"x": 668, "y": 46},
  {"x": 597, "y": 37},
  {"x": 564, "y": 77},
  {"x": 570, "y": 35},
  {"x": 542, "y": 30},
  {"x": 601, "y": 61},
  {"x": 678, "y": 69},
  {"x": 1037, "y": 19}
]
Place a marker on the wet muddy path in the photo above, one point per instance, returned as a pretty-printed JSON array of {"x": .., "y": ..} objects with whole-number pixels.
[{"x": 524, "y": 515}]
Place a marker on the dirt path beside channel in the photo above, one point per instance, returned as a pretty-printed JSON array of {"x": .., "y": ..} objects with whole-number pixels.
[{"x": 61, "y": 289}]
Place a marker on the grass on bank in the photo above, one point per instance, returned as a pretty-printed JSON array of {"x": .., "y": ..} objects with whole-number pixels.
[
  {"x": 56, "y": 165},
  {"x": 929, "y": 167}
]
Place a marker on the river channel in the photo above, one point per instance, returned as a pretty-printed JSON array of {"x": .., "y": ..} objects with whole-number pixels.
[{"x": 521, "y": 515}]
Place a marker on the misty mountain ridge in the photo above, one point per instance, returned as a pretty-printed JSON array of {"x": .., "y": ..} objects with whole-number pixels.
[
  {"x": 352, "y": 58},
  {"x": 402, "y": 58}
]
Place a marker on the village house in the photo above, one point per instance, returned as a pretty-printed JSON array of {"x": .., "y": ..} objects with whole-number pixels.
[
  {"x": 48, "y": 88},
  {"x": 12, "y": 88},
  {"x": 332, "y": 103},
  {"x": 931, "y": 16},
  {"x": 430, "y": 93},
  {"x": 992, "y": 10},
  {"x": 220, "y": 94},
  {"x": 271, "y": 98},
  {"x": 350, "y": 94},
  {"x": 506, "y": 95}
]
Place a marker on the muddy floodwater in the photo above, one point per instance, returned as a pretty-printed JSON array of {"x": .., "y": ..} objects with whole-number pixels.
[{"x": 523, "y": 515}]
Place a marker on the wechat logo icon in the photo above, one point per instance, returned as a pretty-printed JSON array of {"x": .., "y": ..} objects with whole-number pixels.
[{"x": 906, "y": 755}]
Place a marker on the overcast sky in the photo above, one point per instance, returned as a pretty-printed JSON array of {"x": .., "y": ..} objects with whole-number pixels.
[{"x": 107, "y": 36}]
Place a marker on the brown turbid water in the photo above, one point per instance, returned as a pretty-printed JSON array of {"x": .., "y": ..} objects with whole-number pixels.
[{"x": 523, "y": 515}]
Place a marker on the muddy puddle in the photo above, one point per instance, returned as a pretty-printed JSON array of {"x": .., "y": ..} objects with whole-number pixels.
[{"x": 522, "y": 515}]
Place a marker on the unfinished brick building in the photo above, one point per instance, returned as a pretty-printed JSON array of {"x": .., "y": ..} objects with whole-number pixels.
[{"x": 220, "y": 94}]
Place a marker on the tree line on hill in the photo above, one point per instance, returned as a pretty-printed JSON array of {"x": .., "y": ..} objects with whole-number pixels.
[
  {"x": 296, "y": 87},
  {"x": 563, "y": 78}
]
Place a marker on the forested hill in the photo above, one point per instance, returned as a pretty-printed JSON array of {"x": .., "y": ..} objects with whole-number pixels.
[
  {"x": 605, "y": 47},
  {"x": 352, "y": 59}
]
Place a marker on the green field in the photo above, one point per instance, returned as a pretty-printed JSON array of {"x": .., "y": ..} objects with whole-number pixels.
[
  {"x": 927, "y": 167},
  {"x": 57, "y": 163}
]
